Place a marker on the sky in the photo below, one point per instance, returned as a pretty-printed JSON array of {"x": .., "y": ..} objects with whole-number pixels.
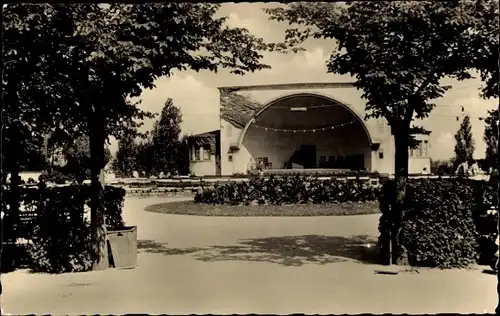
[{"x": 198, "y": 98}]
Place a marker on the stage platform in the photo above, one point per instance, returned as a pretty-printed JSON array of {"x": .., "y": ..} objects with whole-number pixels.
[{"x": 315, "y": 171}]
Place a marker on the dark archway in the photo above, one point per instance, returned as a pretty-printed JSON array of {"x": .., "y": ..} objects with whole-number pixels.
[{"x": 325, "y": 132}]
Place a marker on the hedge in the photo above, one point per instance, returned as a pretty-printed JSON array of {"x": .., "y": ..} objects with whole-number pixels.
[
  {"x": 318, "y": 173},
  {"x": 441, "y": 224},
  {"x": 289, "y": 190},
  {"x": 54, "y": 223}
]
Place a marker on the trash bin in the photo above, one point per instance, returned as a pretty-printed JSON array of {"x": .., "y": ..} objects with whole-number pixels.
[{"x": 123, "y": 244}]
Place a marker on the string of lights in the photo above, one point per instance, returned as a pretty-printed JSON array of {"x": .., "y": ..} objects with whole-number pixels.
[
  {"x": 333, "y": 105},
  {"x": 318, "y": 129},
  {"x": 432, "y": 115}
]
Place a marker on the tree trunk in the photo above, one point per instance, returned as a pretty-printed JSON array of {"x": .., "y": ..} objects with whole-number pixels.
[
  {"x": 15, "y": 194},
  {"x": 15, "y": 183},
  {"x": 401, "y": 176},
  {"x": 498, "y": 211},
  {"x": 97, "y": 220}
]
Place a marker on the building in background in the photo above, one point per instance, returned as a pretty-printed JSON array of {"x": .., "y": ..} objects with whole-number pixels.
[
  {"x": 204, "y": 153},
  {"x": 297, "y": 126}
]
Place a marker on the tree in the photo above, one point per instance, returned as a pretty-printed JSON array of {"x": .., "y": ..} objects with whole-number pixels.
[
  {"x": 398, "y": 52},
  {"x": 33, "y": 158},
  {"x": 144, "y": 156},
  {"x": 182, "y": 158},
  {"x": 69, "y": 159},
  {"x": 166, "y": 139},
  {"x": 164, "y": 150},
  {"x": 97, "y": 56},
  {"x": 465, "y": 144},
  {"x": 31, "y": 86},
  {"x": 491, "y": 138},
  {"x": 486, "y": 58},
  {"x": 125, "y": 159},
  {"x": 78, "y": 159},
  {"x": 441, "y": 167}
]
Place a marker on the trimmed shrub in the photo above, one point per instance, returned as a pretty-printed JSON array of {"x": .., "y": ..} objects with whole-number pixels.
[
  {"x": 485, "y": 217},
  {"x": 14, "y": 257},
  {"x": 440, "y": 220},
  {"x": 113, "y": 205},
  {"x": 315, "y": 173},
  {"x": 288, "y": 190},
  {"x": 54, "y": 223},
  {"x": 59, "y": 247}
]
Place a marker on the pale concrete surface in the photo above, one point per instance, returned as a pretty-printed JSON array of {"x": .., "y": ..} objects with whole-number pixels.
[{"x": 191, "y": 264}]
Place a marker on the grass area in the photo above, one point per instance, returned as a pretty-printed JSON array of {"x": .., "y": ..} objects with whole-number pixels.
[{"x": 191, "y": 208}]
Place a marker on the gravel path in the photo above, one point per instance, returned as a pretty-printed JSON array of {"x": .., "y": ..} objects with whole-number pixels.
[{"x": 276, "y": 265}]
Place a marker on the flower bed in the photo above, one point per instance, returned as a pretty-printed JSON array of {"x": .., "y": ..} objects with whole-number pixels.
[{"x": 289, "y": 190}]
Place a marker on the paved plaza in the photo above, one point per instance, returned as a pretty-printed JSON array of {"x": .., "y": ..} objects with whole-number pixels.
[{"x": 276, "y": 265}]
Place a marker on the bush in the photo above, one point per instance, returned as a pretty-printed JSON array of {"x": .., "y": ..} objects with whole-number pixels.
[
  {"x": 53, "y": 221},
  {"x": 14, "y": 257},
  {"x": 440, "y": 220},
  {"x": 56, "y": 175},
  {"x": 65, "y": 249},
  {"x": 288, "y": 190},
  {"x": 307, "y": 173},
  {"x": 113, "y": 204},
  {"x": 485, "y": 217},
  {"x": 313, "y": 173}
]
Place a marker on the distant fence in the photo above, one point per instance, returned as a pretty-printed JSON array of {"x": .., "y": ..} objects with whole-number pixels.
[
  {"x": 144, "y": 186},
  {"x": 182, "y": 185}
]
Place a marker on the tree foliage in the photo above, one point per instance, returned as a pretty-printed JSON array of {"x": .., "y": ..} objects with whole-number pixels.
[
  {"x": 69, "y": 160},
  {"x": 124, "y": 162},
  {"x": 127, "y": 47},
  {"x": 85, "y": 55},
  {"x": 144, "y": 156},
  {"x": 397, "y": 51},
  {"x": 29, "y": 81},
  {"x": 484, "y": 45},
  {"x": 441, "y": 167},
  {"x": 78, "y": 158},
  {"x": 32, "y": 157},
  {"x": 182, "y": 158},
  {"x": 31, "y": 86},
  {"x": 491, "y": 138},
  {"x": 166, "y": 139},
  {"x": 465, "y": 144},
  {"x": 162, "y": 151}
]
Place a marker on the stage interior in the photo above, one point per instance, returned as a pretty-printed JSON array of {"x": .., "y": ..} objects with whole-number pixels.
[{"x": 308, "y": 134}]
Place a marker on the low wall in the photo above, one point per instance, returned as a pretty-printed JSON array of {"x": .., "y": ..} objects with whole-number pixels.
[
  {"x": 188, "y": 186},
  {"x": 160, "y": 191},
  {"x": 174, "y": 187}
]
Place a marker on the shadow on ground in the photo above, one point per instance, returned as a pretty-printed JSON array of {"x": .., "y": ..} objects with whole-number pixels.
[
  {"x": 151, "y": 246},
  {"x": 287, "y": 250}
]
